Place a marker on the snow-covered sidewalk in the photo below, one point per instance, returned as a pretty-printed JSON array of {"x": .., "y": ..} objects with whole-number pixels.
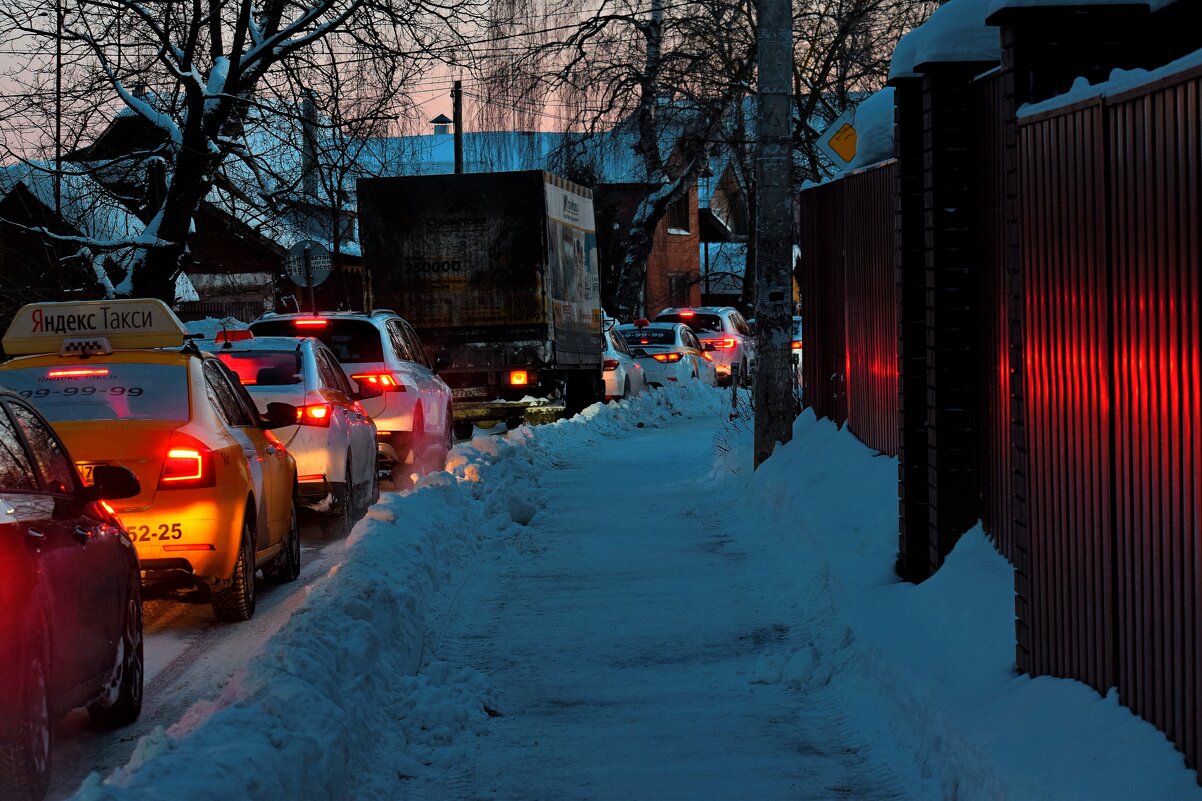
[
  {"x": 616, "y": 607},
  {"x": 636, "y": 650}
]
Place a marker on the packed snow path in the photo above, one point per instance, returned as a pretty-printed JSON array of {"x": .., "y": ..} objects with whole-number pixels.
[{"x": 624, "y": 636}]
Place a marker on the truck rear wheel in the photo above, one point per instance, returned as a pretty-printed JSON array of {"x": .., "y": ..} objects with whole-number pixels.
[{"x": 584, "y": 388}]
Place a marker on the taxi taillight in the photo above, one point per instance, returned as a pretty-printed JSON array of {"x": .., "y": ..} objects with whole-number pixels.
[
  {"x": 317, "y": 414},
  {"x": 609, "y": 365},
  {"x": 723, "y": 344},
  {"x": 666, "y": 357},
  {"x": 187, "y": 467}
]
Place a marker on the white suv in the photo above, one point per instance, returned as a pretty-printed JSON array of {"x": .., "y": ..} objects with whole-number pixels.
[
  {"x": 413, "y": 414},
  {"x": 725, "y": 329}
]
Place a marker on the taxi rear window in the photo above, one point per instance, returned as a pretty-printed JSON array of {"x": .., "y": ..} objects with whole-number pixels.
[
  {"x": 113, "y": 391},
  {"x": 264, "y": 368},
  {"x": 351, "y": 340},
  {"x": 650, "y": 336}
]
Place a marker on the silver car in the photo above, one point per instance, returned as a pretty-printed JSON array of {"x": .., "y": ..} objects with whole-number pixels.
[
  {"x": 334, "y": 440},
  {"x": 725, "y": 329},
  {"x": 669, "y": 353},
  {"x": 413, "y": 413}
]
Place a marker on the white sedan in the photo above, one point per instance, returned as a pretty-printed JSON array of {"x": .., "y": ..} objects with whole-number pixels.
[
  {"x": 669, "y": 353},
  {"x": 624, "y": 376},
  {"x": 334, "y": 440}
]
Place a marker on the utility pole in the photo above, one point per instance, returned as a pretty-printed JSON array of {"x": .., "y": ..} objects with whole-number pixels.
[
  {"x": 457, "y": 113},
  {"x": 58, "y": 112},
  {"x": 774, "y": 229}
]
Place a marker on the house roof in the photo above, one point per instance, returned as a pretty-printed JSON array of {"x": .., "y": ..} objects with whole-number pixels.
[{"x": 86, "y": 205}]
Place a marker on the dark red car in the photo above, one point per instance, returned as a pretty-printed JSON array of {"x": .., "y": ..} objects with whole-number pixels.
[{"x": 70, "y": 598}]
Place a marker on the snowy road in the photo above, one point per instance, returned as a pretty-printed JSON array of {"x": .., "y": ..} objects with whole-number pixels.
[
  {"x": 189, "y": 658},
  {"x": 622, "y": 638}
]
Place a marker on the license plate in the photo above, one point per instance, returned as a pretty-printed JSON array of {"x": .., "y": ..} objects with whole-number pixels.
[
  {"x": 85, "y": 470},
  {"x": 469, "y": 392},
  {"x": 156, "y": 532}
]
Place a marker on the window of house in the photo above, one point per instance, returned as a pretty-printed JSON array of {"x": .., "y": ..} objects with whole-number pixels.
[
  {"x": 679, "y": 286},
  {"x": 678, "y": 217}
]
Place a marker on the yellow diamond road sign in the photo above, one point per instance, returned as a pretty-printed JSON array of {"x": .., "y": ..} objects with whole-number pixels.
[{"x": 838, "y": 142}]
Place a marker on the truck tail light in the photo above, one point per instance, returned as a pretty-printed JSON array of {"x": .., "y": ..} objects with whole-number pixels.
[
  {"x": 317, "y": 414},
  {"x": 385, "y": 381},
  {"x": 519, "y": 378},
  {"x": 188, "y": 465},
  {"x": 609, "y": 365},
  {"x": 666, "y": 357},
  {"x": 797, "y": 344}
]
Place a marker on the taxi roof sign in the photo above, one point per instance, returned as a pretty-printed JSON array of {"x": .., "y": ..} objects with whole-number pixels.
[{"x": 134, "y": 323}]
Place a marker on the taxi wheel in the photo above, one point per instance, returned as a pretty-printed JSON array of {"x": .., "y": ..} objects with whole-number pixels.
[
  {"x": 462, "y": 430},
  {"x": 25, "y": 760},
  {"x": 626, "y": 389},
  {"x": 236, "y": 602},
  {"x": 128, "y": 706},
  {"x": 286, "y": 567}
]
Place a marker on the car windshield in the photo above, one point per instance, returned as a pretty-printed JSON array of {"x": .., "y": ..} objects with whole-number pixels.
[
  {"x": 263, "y": 368},
  {"x": 351, "y": 340},
  {"x": 649, "y": 336},
  {"x": 113, "y": 391},
  {"x": 700, "y": 323}
]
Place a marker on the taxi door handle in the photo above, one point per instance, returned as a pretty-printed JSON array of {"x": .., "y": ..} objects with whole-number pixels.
[
  {"x": 33, "y": 534},
  {"x": 82, "y": 535}
]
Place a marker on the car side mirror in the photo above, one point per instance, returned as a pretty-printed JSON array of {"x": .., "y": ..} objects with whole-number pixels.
[
  {"x": 278, "y": 415},
  {"x": 442, "y": 363},
  {"x": 112, "y": 482},
  {"x": 367, "y": 390},
  {"x": 638, "y": 353},
  {"x": 708, "y": 346}
]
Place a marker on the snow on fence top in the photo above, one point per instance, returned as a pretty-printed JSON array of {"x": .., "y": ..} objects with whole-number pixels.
[
  {"x": 955, "y": 32},
  {"x": 874, "y": 130},
  {"x": 998, "y": 5},
  {"x": 1120, "y": 81}
]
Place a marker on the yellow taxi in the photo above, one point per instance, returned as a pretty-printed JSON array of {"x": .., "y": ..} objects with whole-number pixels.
[{"x": 122, "y": 385}]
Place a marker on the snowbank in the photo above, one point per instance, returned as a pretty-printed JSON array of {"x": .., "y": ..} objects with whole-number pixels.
[
  {"x": 933, "y": 664},
  {"x": 998, "y": 5},
  {"x": 210, "y": 327},
  {"x": 342, "y": 702}
]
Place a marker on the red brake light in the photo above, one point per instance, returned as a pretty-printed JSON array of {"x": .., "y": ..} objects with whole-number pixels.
[
  {"x": 310, "y": 322},
  {"x": 188, "y": 464},
  {"x": 687, "y": 313},
  {"x": 519, "y": 378},
  {"x": 666, "y": 357},
  {"x": 609, "y": 364},
  {"x": 385, "y": 381},
  {"x": 642, "y": 322},
  {"x": 78, "y": 372},
  {"x": 797, "y": 344},
  {"x": 723, "y": 344},
  {"x": 318, "y": 414}
]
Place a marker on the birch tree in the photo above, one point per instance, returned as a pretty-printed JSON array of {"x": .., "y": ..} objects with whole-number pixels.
[{"x": 192, "y": 71}]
